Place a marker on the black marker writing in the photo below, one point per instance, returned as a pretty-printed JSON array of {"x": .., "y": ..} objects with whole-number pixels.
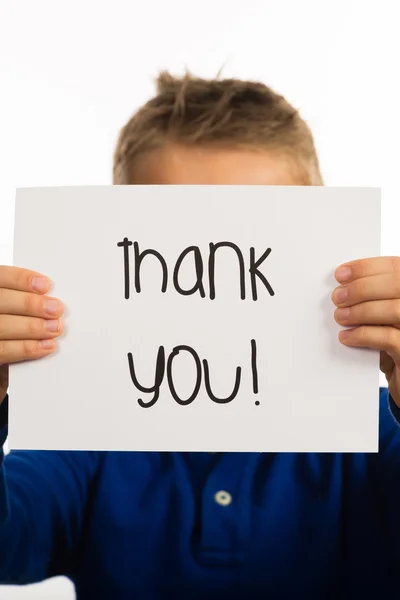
[
  {"x": 139, "y": 256},
  {"x": 254, "y": 366},
  {"x": 208, "y": 385},
  {"x": 255, "y": 272},
  {"x": 172, "y": 389},
  {"x": 211, "y": 267},
  {"x": 125, "y": 244},
  {"x": 162, "y": 366},
  {"x": 198, "y": 261},
  {"x": 254, "y": 269},
  {"x": 160, "y": 371},
  {"x": 158, "y": 378}
]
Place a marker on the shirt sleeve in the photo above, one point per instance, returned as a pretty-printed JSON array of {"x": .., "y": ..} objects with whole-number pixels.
[
  {"x": 43, "y": 501},
  {"x": 389, "y": 430},
  {"x": 384, "y": 475}
]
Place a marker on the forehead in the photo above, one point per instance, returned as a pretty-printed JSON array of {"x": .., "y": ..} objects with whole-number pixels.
[{"x": 180, "y": 165}]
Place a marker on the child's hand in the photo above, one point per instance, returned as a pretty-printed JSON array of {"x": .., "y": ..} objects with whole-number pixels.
[
  {"x": 369, "y": 301},
  {"x": 29, "y": 321}
]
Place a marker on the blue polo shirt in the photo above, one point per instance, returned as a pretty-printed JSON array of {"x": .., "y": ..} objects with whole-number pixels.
[{"x": 206, "y": 526}]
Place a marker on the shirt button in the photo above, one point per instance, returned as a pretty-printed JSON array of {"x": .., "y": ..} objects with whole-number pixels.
[{"x": 223, "y": 498}]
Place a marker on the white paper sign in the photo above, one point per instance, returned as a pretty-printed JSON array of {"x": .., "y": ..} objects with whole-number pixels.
[{"x": 199, "y": 318}]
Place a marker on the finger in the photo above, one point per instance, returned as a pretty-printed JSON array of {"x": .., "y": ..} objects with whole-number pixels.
[
  {"x": 378, "y": 312},
  {"x": 28, "y": 328},
  {"x": 15, "y": 278},
  {"x": 374, "y": 337},
  {"x": 377, "y": 287},
  {"x": 13, "y": 302},
  {"x": 367, "y": 267},
  {"x": 17, "y": 351}
]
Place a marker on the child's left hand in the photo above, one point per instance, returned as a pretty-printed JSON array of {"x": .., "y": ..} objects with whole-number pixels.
[{"x": 369, "y": 301}]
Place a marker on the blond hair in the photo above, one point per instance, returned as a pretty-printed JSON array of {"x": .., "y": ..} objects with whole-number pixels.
[{"x": 225, "y": 112}]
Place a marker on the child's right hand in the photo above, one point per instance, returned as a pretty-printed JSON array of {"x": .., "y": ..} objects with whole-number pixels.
[{"x": 29, "y": 320}]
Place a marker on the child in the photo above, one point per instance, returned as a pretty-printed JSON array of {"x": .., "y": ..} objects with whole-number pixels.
[{"x": 195, "y": 525}]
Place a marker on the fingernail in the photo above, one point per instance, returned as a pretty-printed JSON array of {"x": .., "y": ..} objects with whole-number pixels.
[
  {"x": 40, "y": 284},
  {"x": 51, "y": 306},
  {"x": 52, "y": 325},
  {"x": 343, "y": 273},
  {"x": 340, "y": 295},
  {"x": 342, "y": 314},
  {"x": 344, "y": 334},
  {"x": 46, "y": 344}
]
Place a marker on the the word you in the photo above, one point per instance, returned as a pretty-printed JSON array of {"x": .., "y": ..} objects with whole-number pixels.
[{"x": 202, "y": 370}]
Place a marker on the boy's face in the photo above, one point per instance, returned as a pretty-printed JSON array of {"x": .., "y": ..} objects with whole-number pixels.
[{"x": 180, "y": 165}]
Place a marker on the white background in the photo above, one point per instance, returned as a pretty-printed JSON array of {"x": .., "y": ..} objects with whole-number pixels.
[{"x": 72, "y": 72}]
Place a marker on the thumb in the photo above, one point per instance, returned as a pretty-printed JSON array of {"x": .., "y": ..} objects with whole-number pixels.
[{"x": 386, "y": 365}]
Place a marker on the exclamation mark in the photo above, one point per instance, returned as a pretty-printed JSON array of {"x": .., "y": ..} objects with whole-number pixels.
[{"x": 254, "y": 368}]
